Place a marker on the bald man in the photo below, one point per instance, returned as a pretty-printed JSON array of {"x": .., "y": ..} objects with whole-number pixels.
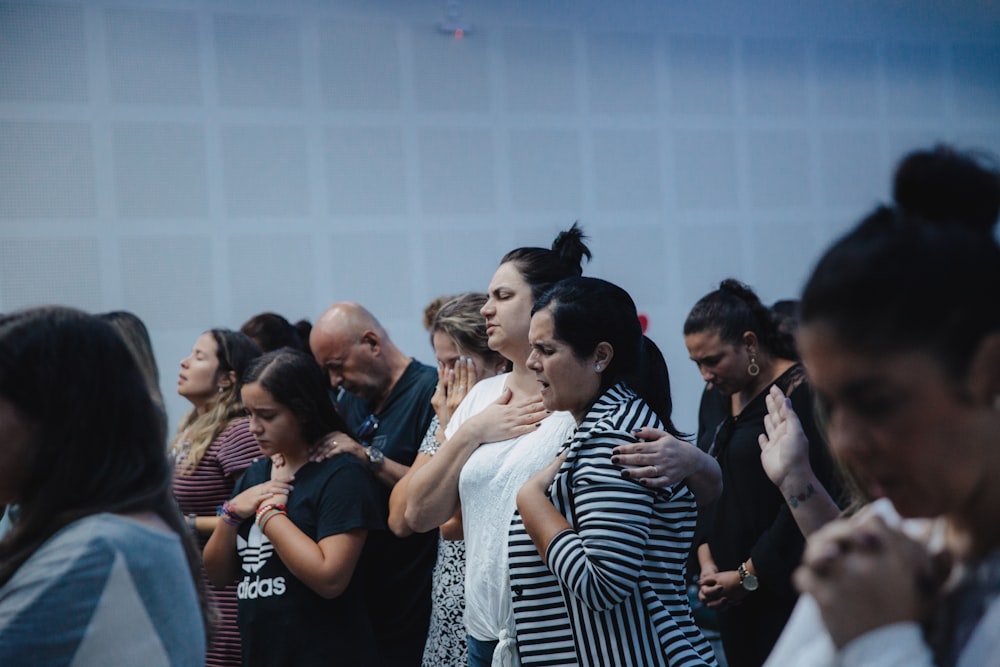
[{"x": 385, "y": 399}]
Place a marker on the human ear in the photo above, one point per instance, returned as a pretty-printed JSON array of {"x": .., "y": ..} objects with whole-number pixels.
[
  {"x": 750, "y": 340},
  {"x": 983, "y": 379},
  {"x": 603, "y": 354},
  {"x": 371, "y": 339},
  {"x": 227, "y": 379}
]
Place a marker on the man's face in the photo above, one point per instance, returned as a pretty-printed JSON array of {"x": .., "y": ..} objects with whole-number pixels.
[{"x": 349, "y": 362}]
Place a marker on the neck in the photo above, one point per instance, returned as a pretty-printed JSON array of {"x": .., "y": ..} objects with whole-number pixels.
[
  {"x": 295, "y": 458},
  {"x": 397, "y": 363},
  {"x": 522, "y": 381},
  {"x": 770, "y": 370}
]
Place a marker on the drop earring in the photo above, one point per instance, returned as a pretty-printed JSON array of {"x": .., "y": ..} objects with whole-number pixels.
[
  {"x": 597, "y": 367},
  {"x": 753, "y": 369}
]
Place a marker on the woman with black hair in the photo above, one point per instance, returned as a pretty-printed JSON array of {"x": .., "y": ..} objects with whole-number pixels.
[
  {"x": 598, "y": 560},
  {"x": 296, "y": 547},
  {"x": 497, "y": 438},
  {"x": 98, "y": 569},
  {"x": 901, "y": 335},
  {"x": 751, "y": 543}
]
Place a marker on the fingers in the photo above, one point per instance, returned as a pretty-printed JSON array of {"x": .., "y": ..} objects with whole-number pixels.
[{"x": 649, "y": 434}]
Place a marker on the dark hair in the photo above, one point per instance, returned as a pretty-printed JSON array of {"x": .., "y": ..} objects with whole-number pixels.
[
  {"x": 542, "y": 268},
  {"x": 460, "y": 320},
  {"x": 786, "y": 315},
  {"x": 588, "y": 311},
  {"x": 734, "y": 309},
  {"x": 272, "y": 332},
  {"x": 897, "y": 282},
  {"x": 136, "y": 336},
  {"x": 942, "y": 184},
  {"x": 96, "y": 438},
  {"x": 294, "y": 379}
]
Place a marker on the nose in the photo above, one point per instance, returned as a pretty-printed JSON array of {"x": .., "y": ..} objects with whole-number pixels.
[
  {"x": 487, "y": 308},
  {"x": 256, "y": 428},
  {"x": 706, "y": 374},
  {"x": 533, "y": 362},
  {"x": 185, "y": 361},
  {"x": 849, "y": 440},
  {"x": 336, "y": 379}
]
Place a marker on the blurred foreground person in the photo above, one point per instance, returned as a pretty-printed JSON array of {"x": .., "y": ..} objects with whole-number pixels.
[{"x": 97, "y": 569}]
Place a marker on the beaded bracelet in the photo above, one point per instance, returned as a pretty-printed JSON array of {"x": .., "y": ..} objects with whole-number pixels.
[
  {"x": 266, "y": 512},
  {"x": 270, "y": 506},
  {"x": 228, "y": 516}
]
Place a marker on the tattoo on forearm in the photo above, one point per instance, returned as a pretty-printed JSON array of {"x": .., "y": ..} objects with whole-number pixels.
[{"x": 795, "y": 500}]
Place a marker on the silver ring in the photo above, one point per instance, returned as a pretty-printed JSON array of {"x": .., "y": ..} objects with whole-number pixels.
[{"x": 461, "y": 387}]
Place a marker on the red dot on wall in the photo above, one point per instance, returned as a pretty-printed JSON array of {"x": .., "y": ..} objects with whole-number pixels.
[{"x": 644, "y": 321}]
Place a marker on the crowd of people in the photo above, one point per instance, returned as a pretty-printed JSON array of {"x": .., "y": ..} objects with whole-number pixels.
[{"x": 330, "y": 500}]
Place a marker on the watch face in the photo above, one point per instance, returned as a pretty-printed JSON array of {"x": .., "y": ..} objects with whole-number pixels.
[
  {"x": 750, "y": 582},
  {"x": 375, "y": 456}
]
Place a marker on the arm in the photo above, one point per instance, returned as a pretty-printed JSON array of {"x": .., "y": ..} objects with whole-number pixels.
[
  {"x": 398, "y": 498},
  {"x": 325, "y": 566},
  {"x": 601, "y": 557},
  {"x": 433, "y": 490},
  {"x": 777, "y": 551},
  {"x": 662, "y": 460},
  {"x": 236, "y": 450},
  {"x": 542, "y": 520},
  {"x": 784, "y": 453},
  {"x": 388, "y": 472},
  {"x": 222, "y": 563}
]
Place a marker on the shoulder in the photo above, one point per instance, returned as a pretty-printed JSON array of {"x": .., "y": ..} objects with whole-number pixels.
[
  {"x": 419, "y": 376},
  {"x": 619, "y": 410},
  {"x": 238, "y": 426},
  {"x": 487, "y": 389},
  {"x": 89, "y": 547}
]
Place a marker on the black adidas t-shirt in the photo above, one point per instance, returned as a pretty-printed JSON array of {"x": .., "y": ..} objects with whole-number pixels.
[{"x": 281, "y": 620}]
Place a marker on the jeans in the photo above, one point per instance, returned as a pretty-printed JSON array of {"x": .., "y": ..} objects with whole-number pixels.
[{"x": 480, "y": 652}]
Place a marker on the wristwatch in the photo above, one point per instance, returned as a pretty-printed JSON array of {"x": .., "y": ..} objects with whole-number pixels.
[
  {"x": 375, "y": 457},
  {"x": 749, "y": 581}
]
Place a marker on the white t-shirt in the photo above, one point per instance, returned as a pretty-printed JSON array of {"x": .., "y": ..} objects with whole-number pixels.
[{"x": 488, "y": 489}]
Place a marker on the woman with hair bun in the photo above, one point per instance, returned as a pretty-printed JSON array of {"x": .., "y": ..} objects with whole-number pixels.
[
  {"x": 751, "y": 542},
  {"x": 901, "y": 337},
  {"x": 499, "y": 436}
]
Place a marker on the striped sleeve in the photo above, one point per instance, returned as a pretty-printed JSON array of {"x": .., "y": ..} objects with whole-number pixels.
[
  {"x": 601, "y": 561},
  {"x": 237, "y": 448}
]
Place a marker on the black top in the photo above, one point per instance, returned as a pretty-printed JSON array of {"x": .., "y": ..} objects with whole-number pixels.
[
  {"x": 751, "y": 518},
  {"x": 398, "y": 571},
  {"x": 282, "y": 621}
]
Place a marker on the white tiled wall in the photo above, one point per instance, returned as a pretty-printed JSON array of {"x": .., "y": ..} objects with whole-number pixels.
[{"x": 198, "y": 162}]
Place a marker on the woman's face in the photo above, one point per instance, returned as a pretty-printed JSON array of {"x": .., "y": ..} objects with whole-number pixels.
[
  {"x": 447, "y": 354},
  {"x": 722, "y": 365},
  {"x": 275, "y": 427},
  {"x": 15, "y": 440},
  {"x": 508, "y": 311},
  {"x": 198, "y": 380},
  {"x": 568, "y": 382},
  {"x": 899, "y": 424}
]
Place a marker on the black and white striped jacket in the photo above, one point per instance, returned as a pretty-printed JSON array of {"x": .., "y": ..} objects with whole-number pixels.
[{"x": 616, "y": 591}]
